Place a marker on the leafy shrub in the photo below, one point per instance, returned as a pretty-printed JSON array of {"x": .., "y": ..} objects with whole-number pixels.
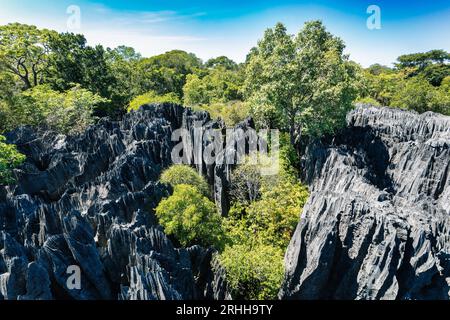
[
  {"x": 272, "y": 219},
  {"x": 253, "y": 272},
  {"x": 265, "y": 211},
  {"x": 246, "y": 183},
  {"x": 183, "y": 174},
  {"x": 152, "y": 97},
  {"x": 191, "y": 217},
  {"x": 65, "y": 112},
  {"x": 368, "y": 100},
  {"x": 303, "y": 84},
  {"x": 413, "y": 88},
  {"x": 231, "y": 112},
  {"x": 9, "y": 159},
  {"x": 247, "y": 178}
]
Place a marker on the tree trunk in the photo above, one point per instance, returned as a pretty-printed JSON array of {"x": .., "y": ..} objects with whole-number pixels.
[
  {"x": 26, "y": 82},
  {"x": 292, "y": 131}
]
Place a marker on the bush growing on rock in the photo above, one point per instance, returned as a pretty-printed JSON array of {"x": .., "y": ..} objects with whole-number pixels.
[
  {"x": 276, "y": 215},
  {"x": 271, "y": 219},
  {"x": 183, "y": 174},
  {"x": 265, "y": 211},
  {"x": 253, "y": 271},
  {"x": 191, "y": 218},
  {"x": 9, "y": 159}
]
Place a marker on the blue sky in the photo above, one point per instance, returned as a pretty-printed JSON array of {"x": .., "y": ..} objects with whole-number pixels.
[{"x": 231, "y": 28}]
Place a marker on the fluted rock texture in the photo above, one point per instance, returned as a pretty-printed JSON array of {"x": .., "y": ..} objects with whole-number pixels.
[
  {"x": 377, "y": 224},
  {"x": 88, "y": 201}
]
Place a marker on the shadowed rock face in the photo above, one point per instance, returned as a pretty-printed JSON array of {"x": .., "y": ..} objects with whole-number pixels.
[
  {"x": 377, "y": 224},
  {"x": 88, "y": 201}
]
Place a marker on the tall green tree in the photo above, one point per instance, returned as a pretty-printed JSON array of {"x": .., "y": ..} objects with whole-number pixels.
[
  {"x": 303, "y": 84},
  {"x": 24, "y": 52},
  {"x": 38, "y": 56},
  {"x": 109, "y": 73},
  {"x": 122, "y": 62}
]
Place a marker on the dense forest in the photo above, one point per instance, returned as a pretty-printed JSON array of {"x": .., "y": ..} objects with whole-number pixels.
[{"x": 301, "y": 84}]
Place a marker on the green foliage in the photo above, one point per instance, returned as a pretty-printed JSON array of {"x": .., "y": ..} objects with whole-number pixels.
[
  {"x": 377, "y": 69},
  {"x": 368, "y": 100},
  {"x": 152, "y": 97},
  {"x": 231, "y": 112},
  {"x": 435, "y": 73},
  {"x": 9, "y": 159},
  {"x": 222, "y": 62},
  {"x": 75, "y": 63},
  {"x": 246, "y": 182},
  {"x": 220, "y": 85},
  {"x": 122, "y": 62},
  {"x": 302, "y": 84},
  {"x": 183, "y": 174},
  {"x": 265, "y": 211},
  {"x": 422, "y": 60},
  {"x": 218, "y": 91},
  {"x": 62, "y": 60},
  {"x": 65, "y": 112},
  {"x": 253, "y": 272},
  {"x": 272, "y": 218},
  {"x": 403, "y": 90},
  {"x": 72, "y": 61},
  {"x": 419, "y": 95},
  {"x": 385, "y": 87},
  {"x": 24, "y": 52},
  {"x": 167, "y": 72},
  {"x": 191, "y": 217}
]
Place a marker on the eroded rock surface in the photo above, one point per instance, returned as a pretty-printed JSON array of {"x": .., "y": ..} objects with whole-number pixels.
[
  {"x": 88, "y": 201},
  {"x": 377, "y": 224}
]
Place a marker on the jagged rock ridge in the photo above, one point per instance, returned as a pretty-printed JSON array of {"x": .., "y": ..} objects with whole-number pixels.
[
  {"x": 377, "y": 223},
  {"x": 88, "y": 200}
]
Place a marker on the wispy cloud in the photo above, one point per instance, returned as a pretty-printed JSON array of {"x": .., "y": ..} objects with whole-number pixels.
[
  {"x": 133, "y": 17},
  {"x": 150, "y": 32}
]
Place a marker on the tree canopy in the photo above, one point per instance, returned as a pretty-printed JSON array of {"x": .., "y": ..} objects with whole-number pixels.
[
  {"x": 190, "y": 217},
  {"x": 422, "y": 59},
  {"x": 24, "y": 52},
  {"x": 302, "y": 83}
]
